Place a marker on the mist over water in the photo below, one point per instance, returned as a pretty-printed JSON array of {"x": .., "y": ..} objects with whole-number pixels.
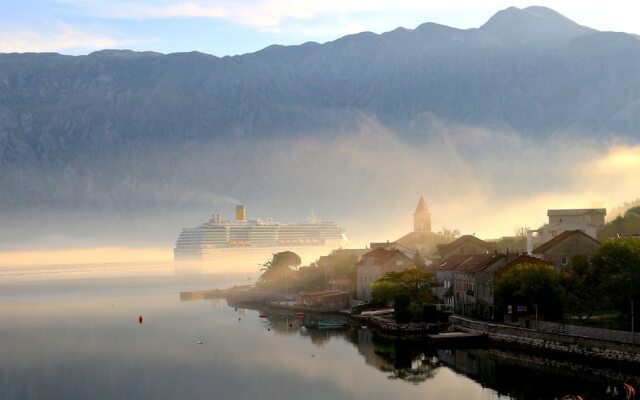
[
  {"x": 73, "y": 332},
  {"x": 368, "y": 178}
]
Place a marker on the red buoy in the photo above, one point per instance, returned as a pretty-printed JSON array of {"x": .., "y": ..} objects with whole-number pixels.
[{"x": 140, "y": 319}]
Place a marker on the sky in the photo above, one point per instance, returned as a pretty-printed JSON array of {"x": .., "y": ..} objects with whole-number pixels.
[{"x": 229, "y": 27}]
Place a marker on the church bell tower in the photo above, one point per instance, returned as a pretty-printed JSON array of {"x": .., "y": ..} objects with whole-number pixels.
[{"x": 422, "y": 217}]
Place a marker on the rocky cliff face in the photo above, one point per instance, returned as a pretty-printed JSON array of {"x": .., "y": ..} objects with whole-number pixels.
[{"x": 70, "y": 121}]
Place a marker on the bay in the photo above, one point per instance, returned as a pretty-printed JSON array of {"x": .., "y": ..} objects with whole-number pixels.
[{"x": 72, "y": 332}]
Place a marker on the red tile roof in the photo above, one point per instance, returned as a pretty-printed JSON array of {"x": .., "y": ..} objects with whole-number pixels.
[
  {"x": 413, "y": 239},
  {"x": 381, "y": 255},
  {"x": 469, "y": 263},
  {"x": 463, "y": 239},
  {"x": 559, "y": 239}
]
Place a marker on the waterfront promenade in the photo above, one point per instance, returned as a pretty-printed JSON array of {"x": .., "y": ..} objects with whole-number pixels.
[{"x": 579, "y": 341}]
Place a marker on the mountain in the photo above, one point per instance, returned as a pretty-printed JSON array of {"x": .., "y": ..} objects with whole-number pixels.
[
  {"x": 67, "y": 123},
  {"x": 534, "y": 25}
]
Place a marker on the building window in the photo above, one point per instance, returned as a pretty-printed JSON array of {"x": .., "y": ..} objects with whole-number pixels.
[
  {"x": 565, "y": 261},
  {"x": 398, "y": 263}
]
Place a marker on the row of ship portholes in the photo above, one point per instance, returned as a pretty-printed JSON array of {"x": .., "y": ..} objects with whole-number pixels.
[{"x": 292, "y": 242}]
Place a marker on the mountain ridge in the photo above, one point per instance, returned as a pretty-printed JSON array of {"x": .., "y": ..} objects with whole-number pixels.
[{"x": 67, "y": 115}]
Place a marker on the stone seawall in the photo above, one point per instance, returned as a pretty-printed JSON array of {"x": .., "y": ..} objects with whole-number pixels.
[
  {"x": 595, "y": 333},
  {"x": 550, "y": 341}
]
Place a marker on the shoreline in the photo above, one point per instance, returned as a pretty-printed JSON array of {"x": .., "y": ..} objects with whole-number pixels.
[{"x": 511, "y": 337}]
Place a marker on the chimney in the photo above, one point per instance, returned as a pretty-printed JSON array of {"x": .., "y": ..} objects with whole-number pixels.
[{"x": 241, "y": 213}]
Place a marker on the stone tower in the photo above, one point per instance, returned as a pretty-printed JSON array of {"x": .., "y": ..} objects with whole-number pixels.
[{"x": 422, "y": 217}]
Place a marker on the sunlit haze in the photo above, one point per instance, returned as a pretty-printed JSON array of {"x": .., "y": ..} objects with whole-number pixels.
[{"x": 337, "y": 199}]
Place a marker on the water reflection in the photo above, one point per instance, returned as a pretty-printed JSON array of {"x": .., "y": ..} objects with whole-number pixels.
[
  {"x": 398, "y": 359},
  {"x": 78, "y": 338},
  {"x": 507, "y": 372}
]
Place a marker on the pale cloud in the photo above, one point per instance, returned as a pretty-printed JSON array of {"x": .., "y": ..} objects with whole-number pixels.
[
  {"x": 273, "y": 15},
  {"x": 260, "y": 13},
  {"x": 53, "y": 37}
]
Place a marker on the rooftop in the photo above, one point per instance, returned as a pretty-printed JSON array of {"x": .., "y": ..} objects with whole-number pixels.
[
  {"x": 381, "y": 255},
  {"x": 559, "y": 239},
  {"x": 422, "y": 206},
  {"x": 469, "y": 263},
  {"x": 575, "y": 212},
  {"x": 464, "y": 239}
]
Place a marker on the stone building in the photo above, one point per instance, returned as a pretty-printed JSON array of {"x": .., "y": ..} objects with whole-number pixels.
[
  {"x": 466, "y": 282},
  {"x": 374, "y": 265},
  {"x": 587, "y": 220},
  {"x": 422, "y": 217},
  {"x": 421, "y": 238},
  {"x": 564, "y": 247}
]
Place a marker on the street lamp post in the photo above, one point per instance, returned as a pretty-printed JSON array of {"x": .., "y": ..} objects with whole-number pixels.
[{"x": 535, "y": 307}]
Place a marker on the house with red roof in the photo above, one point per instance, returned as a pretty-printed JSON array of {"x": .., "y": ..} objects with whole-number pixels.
[
  {"x": 377, "y": 263},
  {"x": 461, "y": 287},
  {"x": 466, "y": 245},
  {"x": 564, "y": 247}
]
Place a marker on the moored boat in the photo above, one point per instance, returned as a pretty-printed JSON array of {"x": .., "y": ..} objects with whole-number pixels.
[{"x": 332, "y": 324}]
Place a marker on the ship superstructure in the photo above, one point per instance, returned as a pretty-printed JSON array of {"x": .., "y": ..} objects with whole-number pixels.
[{"x": 216, "y": 237}]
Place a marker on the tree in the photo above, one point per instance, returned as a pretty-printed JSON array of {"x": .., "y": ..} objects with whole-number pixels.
[
  {"x": 585, "y": 293},
  {"x": 633, "y": 211},
  {"x": 413, "y": 282},
  {"x": 529, "y": 284},
  {"x": 383, "y": 292},
  {"x": 449, "y": 233},
  {"x": 340, "y": 264},
  {"x": 622, "y": 224},
  {"x": 619, "y": 263},
  {"x": 275, "y": 272},
  {"x": 419, "y": 260},
  {"x": 308, "y": 278},
  {"x": 412, "y": 287},
  {"x": 520, "y": 231}
]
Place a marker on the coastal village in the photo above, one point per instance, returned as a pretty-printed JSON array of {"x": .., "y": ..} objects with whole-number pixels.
[{"x": 561, "y": 287}]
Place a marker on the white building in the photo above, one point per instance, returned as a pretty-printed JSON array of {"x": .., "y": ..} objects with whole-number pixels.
[{"x": 587, "y": 220}]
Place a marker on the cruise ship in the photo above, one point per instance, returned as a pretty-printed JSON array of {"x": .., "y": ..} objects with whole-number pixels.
[{"x": 218, "y": 238}]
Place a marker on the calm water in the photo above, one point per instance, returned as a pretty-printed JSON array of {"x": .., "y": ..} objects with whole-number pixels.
[{"x": 73, "y": 333}]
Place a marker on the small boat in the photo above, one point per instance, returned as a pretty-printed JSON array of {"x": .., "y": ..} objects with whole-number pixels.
[
  {"x": 332, "y": 324},
  {"x": 299, "y": 314},
  {"x": 262, "y": 316}
]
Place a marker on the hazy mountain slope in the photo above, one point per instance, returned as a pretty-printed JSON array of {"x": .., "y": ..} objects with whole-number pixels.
[{"x": 91, "y": 131}]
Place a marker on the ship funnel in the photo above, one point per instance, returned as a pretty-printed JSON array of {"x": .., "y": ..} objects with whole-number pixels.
[{"x": 241, "y": 213}]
